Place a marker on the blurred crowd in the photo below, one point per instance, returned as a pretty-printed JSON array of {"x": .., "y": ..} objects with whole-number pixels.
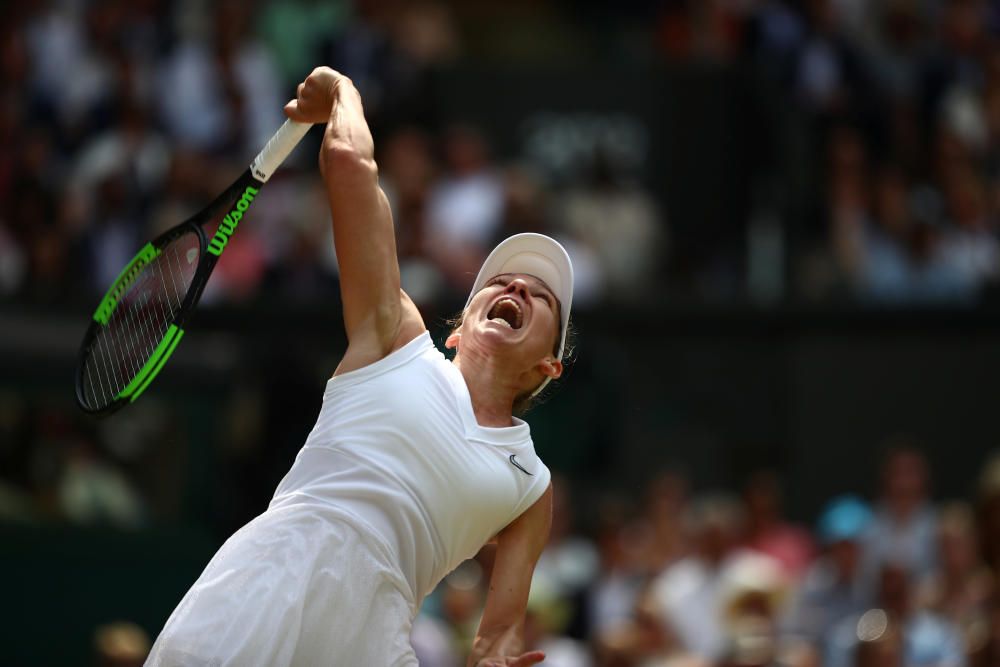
[
  {"x": 58, "y": 467},
  {"x": 119, "y": 119},
  {"x": 903, "y": 131},
  {"x": 662, "y": 576},
  {"x": 875, "y": 167},
  {"x": 673, "y": 580}
]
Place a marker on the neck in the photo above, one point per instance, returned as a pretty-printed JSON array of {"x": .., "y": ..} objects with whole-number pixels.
[{"x": 491, "y": 389}]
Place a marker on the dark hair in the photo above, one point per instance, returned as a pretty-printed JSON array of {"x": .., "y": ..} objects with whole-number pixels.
[{"x": 525, "y": 401}]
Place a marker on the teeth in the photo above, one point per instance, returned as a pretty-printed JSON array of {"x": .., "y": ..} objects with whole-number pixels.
[{"x": 506, "y": 303}]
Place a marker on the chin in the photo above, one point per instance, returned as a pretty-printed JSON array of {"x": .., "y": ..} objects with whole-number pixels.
[
  {"x": 492, "y": 337},
  {"x": 493, "y": 341}
]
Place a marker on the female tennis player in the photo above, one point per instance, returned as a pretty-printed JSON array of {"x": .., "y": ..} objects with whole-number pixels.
[{"x": 415, "y": 462}]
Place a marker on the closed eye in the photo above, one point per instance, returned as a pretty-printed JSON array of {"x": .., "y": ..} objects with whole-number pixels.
[
  {"x": 547, "y": 297},
  {"x": 503, "y": 279}
]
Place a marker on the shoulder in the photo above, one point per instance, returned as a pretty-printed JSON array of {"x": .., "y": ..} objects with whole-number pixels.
[{"x": 534, "y": 523}]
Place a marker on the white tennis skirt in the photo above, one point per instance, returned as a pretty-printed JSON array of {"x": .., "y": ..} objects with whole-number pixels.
[{"x": 298, "y": 585}]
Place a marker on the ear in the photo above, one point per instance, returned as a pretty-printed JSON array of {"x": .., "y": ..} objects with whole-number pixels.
[
  {"x": 451, "y": 342},
  {"x": 551, "y": 368}
]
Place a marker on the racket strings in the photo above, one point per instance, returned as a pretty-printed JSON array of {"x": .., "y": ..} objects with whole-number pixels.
[
  {"x": 122, "y": 336},
  {"x": 142, "y": 317},
  {"x": 134, "y": 329}
]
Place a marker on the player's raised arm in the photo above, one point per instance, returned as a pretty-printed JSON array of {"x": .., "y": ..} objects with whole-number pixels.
[{"x": 377, "y": 315}]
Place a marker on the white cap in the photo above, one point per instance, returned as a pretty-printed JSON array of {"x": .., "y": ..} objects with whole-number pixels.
[{"x": 539, "y": 256}]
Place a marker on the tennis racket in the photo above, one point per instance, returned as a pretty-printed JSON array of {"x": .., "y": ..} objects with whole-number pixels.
[{"x": 140, "y": 320}]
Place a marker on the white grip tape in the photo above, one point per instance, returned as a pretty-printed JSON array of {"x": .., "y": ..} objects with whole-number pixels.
[{"x": 277, "y": 149}]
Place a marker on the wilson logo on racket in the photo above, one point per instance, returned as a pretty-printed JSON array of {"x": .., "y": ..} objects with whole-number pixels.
[{"x": 228, "y": 224}]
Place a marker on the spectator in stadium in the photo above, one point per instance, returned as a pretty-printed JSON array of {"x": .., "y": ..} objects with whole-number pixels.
[
  {"x": 407, "y": 173},
  {"x": 687, "y": 595},
  {"x": 770, "y": 533},
  {"x": 91, "y": 488},
  {"x": 750, "y": 599},
  {"x": 631, "y": 252},
  {"x": 465, "y": 207},
  {"x": 971, "y": 245},
  {"x": 903, "y": 528},
  {"x": 666, "y": 501},
  {"x": 642, "y": 639},
  {"x": 115, "y": 178},
  {"x": 961, "y": 588},
  {"x": 892, "y": 37},
  {"x": 611, "y": 598},
  {"x": 829, "y": 76},
  {"x": 848, "y": 207},
  {"x": 886, "y": 265},
  {"x": 234, "y": 118},
  {"x": 833, "y": 587}
]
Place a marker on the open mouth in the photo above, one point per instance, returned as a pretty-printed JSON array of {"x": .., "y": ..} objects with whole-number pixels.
[{"x": 506, "y": 311}]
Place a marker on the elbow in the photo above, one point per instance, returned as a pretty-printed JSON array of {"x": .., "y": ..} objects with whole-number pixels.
[{"x": 343, "y": 161}]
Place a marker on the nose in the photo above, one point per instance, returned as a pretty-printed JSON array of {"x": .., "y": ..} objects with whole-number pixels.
[{"x": 519, "y": 287}]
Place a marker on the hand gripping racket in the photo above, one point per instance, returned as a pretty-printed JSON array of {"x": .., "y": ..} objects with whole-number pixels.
[{"x": 140, "y": 320}]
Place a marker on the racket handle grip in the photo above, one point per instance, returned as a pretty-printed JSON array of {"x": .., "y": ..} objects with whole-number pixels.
[{"x": 277, "y": 149}]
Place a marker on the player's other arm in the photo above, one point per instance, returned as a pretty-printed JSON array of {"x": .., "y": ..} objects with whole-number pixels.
[
  {"x": 500, "y": 639},
  {"x": 378, "y": 317}
]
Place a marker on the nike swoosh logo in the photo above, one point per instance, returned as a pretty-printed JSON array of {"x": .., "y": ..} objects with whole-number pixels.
[{"x": 519, "y": 466}]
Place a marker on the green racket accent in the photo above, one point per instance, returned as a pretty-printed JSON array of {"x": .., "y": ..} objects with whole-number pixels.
[
  {"x": 154, "y": 365},
  {"x": 228, "y": 224},
  {"x": 124, "y": 279}
]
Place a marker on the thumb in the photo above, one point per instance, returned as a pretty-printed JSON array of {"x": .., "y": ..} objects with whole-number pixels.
[
  {"x": 292, "y": 110},
  {"x": 528, "y": 659}
]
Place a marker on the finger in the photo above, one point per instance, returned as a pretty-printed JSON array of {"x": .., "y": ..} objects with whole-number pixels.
[
  {"x": 292, "y": 110},
  {"x": 528, "y": 659}
]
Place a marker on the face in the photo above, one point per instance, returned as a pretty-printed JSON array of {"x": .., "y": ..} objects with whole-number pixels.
[
  {"x": 515, "y": 315},
  {"x": 905, "y": 477}
]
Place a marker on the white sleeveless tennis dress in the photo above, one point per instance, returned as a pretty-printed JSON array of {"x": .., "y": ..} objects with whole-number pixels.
[{"x": 396, "y": 485}]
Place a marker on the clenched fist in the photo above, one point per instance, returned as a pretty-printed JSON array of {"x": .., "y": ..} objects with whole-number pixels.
[{"x": 316, "y": 96}]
